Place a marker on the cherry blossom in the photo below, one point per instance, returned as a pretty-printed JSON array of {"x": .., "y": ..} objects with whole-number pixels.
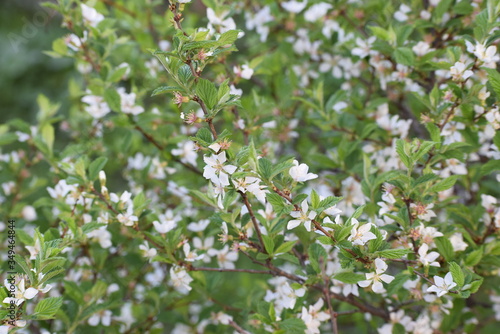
[
  {"x": 376, "y": 279},
  {"x": 304, "y": 217},
  {"x": 299, "y": 173},
  {"x": 442, "y": 285}
]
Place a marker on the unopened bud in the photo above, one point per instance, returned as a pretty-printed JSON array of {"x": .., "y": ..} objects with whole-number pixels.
[
  {"x": 102, "y": 178},
  {"x": 104, "y": 191}
]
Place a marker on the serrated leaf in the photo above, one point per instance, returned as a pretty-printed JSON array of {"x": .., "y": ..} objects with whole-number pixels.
[
  {"x": 474, "y": 257},
  {"x": 285, "y": 247},
  {"x": 207, "y": 92},
  {"x": 47, "y": 307},
  {"x": 445, "y": 248},
  {"x": 444, "y": 184},
  {"x": 268, "y": 244},
  {"x": 400, "y": 150},
  {"x": 205, "y": 135},
  {"x": 393, "y": 253},
  {"x": 349, "y": 278},
  {"x": 493, "y": 79},
  {"x": 317, "y": 257},
  {"x": 404, "y": 56},
  {"x": 229, "y": 37},
  {"x": 265, "y": 168},
  {"x": 314, "y": 199},
  {"x": 458, "y": 275},
  {"x": 166, "y": 89},
  {"x": 113, "y": 99},
  {"x": 96, "y": 166}
]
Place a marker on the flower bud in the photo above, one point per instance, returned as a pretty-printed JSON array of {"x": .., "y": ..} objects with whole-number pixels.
[{"x": 102, "y": 178}]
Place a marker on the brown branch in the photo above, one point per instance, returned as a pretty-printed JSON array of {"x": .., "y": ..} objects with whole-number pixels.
[
  {"x": 237, "y": 327},
  {"x": 119, "y": 7},
  {"x": 226, "y": 270},
  {"x": 254, "y": 220}
]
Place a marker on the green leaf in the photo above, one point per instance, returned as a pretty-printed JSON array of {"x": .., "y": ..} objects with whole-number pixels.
[
  {"x": 48, "y": 136},
  {"x": 393, "y": 253},
  {"x": 113, "y": 99},
  {"x": 268, "y": 244},
  {"x": 207, "y": 92},
  {"x": 96, "y": 166},
  {"x": 445, "y": 248},
  {"x": 317, "y": 257},
  {"x": 285, "y": 247},
  {"x": 458, "y": 275},
  {"x": 404, "y": 56},
  {"x": 205, "y": 135},
  {"x": 474, "y": 257},
  {"x": 229, "y": 37},
  {"x": 47, "y": 307},
  {"x": 402, "y": 152},
  {"x": 265, "y": 168},
  {"x": 444, "y": 184},
  {"x": 434, "y": 132},
  {"x": 493, "y": 79},
  {"x": 314, "y": 199},
  {"x": 293, "y": 326},
  {"x": 329, "y": 202},
  {"x": 490, "y": 166},
  {"x": 166, "y": 89},
  {"x": 349, "y": 278}
]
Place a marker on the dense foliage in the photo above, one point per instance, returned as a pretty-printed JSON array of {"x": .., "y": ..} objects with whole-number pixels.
[{"x": 259, "y": 167}]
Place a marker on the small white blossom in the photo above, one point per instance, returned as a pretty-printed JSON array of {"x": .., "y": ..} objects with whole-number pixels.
[
  {"x": 427, "y": 259},
  {"x": 442, "y": 286},
  {"x": 360, "y": 235},
  {"x": 300, "y": 173},
  {"x": 304, "y": 217},
  {"x": 377, "y": 278}
]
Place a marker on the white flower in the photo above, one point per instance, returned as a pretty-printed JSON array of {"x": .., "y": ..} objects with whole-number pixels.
[
  {"x": 421, "y": 48},
  {"x": 191, "y": 256},
  {"x": 442, "y": 286},
  {"x": 103, "y": 317},
  {"x": 186, "y": 151},
  {"x": 303, "y": 216},
  {"x": 91, "y": 16},
  {"x": 244, "y": 72},
  {"x": 363, "y": 48},
  {"x": 97, "y": 107},
  {"x": 128, "y": 218},
  {"x": 147, "y": 252},
  {"x": 400, "y": 15},
  {"x": 313, "y": 316},
  {"x": 225, "y": 258},
  {"x": 483, "y": 53},
  {"x": 316, "y": 11},
  {"x": 20, "y": 293},
  {"x": 427, "y": 259},
  {"x": 128, "y": 102},
  {"x": 167, "y": 222},
  {"x": 102, "y": 235},
  {"x": 199, "y": 226},
  {"x": 299, "y": 173},
  {"x": 180, "y": 279},
  {"x": 216, "y": 171},
  {"x": 361, "y": 235},
  {"x": 294, "y": 6},
  {"x": 377, "y": 277},
  {"x": 459, "y": 72},
  {"x": 423, "y": 211},
  {"x": 458, "y": 243}
]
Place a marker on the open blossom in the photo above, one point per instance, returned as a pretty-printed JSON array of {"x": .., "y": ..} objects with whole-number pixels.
[
  {"x": 180, "y": 279},
  {"x": 225, "y": 257},
  {"x": 21, "y": 293},
  {"x": 91, "y": 16},
  {"x": 304, "y": 217},
  {"x": 363, "y": 47},
  {"x": 483, "y": 53},
  {"x": 191, "y": 256},
  {"x": 186, "y": 152},
  {"x": 313, "y": 316},
  {"x": 96, "y": 106},
  {"x": 294, "y": 6},
  {"x": 442, "y": 285},
  {"x": 128, "y": 102},
  {"x": 423, "y": 211},
  {"x": 300, "y": 173},
  {"x": 216, "y": 171},
  {"x": 427, "y": 259},
  {"x": 146, "y": 251},
  {"x": 127, "y": 218},
  {"x": 377, "y": 277},
  {"x": 245, "y": 71},
  {"x": 360, "y": 235},
  {"x": 459, "y": 71},
  {"x": 167, "y": 222}
]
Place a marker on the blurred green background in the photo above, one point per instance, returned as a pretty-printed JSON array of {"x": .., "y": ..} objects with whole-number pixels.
[{"x": 26, "y": 30}]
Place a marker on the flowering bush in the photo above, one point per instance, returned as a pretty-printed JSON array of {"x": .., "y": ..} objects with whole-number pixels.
[{"x": 260, "y": 166}]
